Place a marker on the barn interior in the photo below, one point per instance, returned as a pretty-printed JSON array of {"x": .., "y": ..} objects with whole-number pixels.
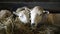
[{"x": 53, "y": 6}]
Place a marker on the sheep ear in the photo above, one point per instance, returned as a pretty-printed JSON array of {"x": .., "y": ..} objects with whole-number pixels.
[
  {"x": 27, "y": 9},
  {"x": 46, "y": 12},
  {"x": 15, "y": 13}
]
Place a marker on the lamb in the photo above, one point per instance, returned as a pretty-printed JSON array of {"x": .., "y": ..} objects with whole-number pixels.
[
  {"x": 36, "y": 15},
  {"x": 39, "y": 16},
  {"x": 23, "y": 14}
]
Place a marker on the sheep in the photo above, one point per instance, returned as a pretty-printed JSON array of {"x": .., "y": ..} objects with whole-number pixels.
[
  {"x": 40, "y": 16},
  {"x": 6, "y": 20},
  {"x": 37, "y": 15},
  {"x": 23, "y": 14},
  {"x": 22, "y": 22}
]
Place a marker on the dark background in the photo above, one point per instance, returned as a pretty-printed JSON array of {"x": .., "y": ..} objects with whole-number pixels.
[
  {"x": 30, "y": 0},
  {"x": 51, "y": 5}
]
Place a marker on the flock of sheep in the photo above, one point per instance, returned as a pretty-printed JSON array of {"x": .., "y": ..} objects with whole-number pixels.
[{"x": 29, "y": 21}]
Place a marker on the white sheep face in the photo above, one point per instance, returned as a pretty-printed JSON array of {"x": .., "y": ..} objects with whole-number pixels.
[
  {"x": 23, "y": 16},
  {"x": 36, "y": 16}
]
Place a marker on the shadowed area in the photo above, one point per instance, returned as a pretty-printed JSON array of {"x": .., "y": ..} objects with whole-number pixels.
[{"x": 51, "y": 6}]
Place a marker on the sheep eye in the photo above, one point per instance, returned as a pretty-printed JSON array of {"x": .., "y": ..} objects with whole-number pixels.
[{"x": 21, "y": 15}]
